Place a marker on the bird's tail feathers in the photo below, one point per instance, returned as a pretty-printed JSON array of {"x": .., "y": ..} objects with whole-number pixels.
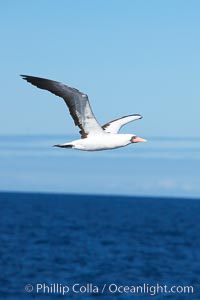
[{"x": 63, "y": 145}]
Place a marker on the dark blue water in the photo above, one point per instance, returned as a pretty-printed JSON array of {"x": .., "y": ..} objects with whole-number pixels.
[{"x": 68, "y": 239}]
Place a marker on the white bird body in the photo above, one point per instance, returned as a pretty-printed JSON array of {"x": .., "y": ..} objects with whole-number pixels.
[
  {"x": 103, "y": 141},
  {"x": 94, "y": 137}
]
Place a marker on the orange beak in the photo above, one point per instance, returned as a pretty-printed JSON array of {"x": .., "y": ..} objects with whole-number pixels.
[{"x": 138, "y": 139}]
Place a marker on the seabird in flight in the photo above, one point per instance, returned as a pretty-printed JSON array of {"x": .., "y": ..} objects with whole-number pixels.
[{"x": 93, "y": 136}]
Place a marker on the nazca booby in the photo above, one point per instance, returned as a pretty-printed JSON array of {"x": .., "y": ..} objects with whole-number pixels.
[{"x": 93, "y": 136}]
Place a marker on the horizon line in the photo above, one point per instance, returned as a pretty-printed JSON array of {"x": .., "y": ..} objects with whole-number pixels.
[{"x": 156, "y": 197}]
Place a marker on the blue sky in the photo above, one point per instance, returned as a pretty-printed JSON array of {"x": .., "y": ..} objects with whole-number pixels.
[{"x": 129, "y": 56}]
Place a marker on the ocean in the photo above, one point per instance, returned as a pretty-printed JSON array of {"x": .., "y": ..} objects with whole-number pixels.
[
  {"x": 77, "y": 240},
  {"x": 120, "y": 224}
]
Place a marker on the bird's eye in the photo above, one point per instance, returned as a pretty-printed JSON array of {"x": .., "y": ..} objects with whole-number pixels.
[{"x": 132, "y": 139}]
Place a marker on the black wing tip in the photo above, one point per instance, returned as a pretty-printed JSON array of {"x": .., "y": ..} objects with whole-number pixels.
[
  {"x": 134, "y": 115},
  {"x": 24, "y": 76},
  {"x": 28, "y": 78},
  {"x": 138, "y": 115},
  {"x": 38, "y": 81}
]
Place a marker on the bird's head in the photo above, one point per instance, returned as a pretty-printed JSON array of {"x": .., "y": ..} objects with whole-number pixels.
[{"x": 137, "y": 139}]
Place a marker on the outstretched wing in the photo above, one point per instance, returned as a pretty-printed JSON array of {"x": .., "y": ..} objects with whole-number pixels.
[
  {"x": 115, "y": 125},
  {"x": 77, "y": 102}
]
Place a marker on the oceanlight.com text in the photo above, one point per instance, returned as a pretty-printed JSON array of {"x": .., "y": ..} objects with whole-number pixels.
[{"x": 111, "y": 288}]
